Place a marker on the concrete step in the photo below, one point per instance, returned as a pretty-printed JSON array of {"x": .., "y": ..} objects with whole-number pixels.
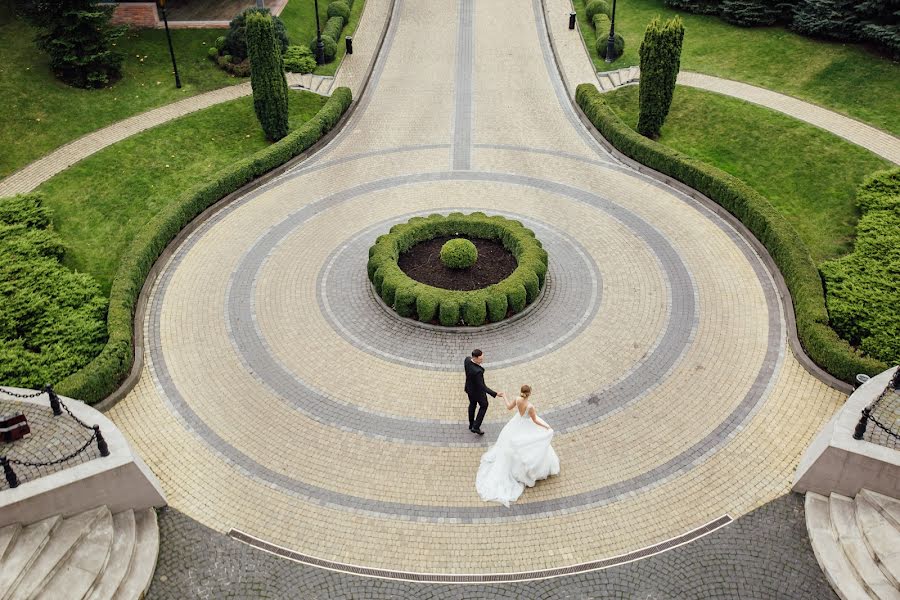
[
  {"x": 634, "y": 73},
  {"x": 887, "y": 506},
  {"x": 75, "y": 577},
  {"x": 614, "y": 77},
  {"x": 605, "y": 82},
  {"x": 28, "y": 546},
  {"x": 849, "y": 537},
  {"x": 305, "y": 80},
  {"x": 881, "y": 537},
  {"x": 119, "y": 558},
  {"x": 143, "y": 560},
  {"x": 831, "y": 558},
  {"x": 62, "y": 543},
  {"x": 8, "y": 537}
]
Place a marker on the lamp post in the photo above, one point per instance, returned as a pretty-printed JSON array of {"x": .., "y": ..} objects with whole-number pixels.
[
  {"x": 611, "y": 42},
  {"x": 162, "y": 5},
  {"x": 320, "y": 45}
]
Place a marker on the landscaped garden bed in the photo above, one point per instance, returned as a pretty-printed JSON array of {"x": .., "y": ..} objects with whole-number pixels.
[{"x": 458, "y": 269}]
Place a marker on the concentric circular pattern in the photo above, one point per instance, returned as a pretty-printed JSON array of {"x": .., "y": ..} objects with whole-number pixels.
[{"x": 427, "y": 303}]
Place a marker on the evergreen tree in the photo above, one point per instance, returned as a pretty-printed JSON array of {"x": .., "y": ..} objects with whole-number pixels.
[
  {"x": 750, "y": 13},
  {"x": 270, "y": 91},
  {"x": 880, "y": 24},
  {"x": 834, "y": 19},
  {"x": 78, "y": 37},
  {"x": 699, "y": 7},
  {"x": 660, "y": 62}
]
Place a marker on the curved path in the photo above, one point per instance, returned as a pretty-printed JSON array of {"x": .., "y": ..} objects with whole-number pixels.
[{"x": 279, "y": 400}]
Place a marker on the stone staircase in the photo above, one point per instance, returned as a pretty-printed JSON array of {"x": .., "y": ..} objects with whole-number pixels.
[
  {"x": 610, "y": 80},
  {"x": 93, "y": 555},
  {"x": 314, "y": 83},
  {"x": 857, "y": 543}
]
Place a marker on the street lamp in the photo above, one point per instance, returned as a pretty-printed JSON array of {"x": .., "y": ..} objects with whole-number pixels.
[
  {"x": 162, "y": 5},
  {"x": 320, "y": 45},
  {"x": 611, "y": 42}
]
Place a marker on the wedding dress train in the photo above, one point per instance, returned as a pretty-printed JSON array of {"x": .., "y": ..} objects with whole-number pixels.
[{"x": 521, "y": 456}]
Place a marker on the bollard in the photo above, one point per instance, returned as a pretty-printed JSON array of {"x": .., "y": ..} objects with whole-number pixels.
[
  {"x": 11, "y": 478},
  {"x": 860, "y": 430},
  {"x": 572, "y": 20},
  {"x": 101, "y": 443},
  {"x": 348, "y": 41},
  {"x": 54, "y": 400}
]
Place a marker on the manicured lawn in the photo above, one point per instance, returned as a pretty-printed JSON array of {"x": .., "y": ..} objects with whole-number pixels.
[
  {"x": 299, "y": 18},
  {"x": 99, "y": 203},
  {"x": 41, "y": 113},
  {"x": 807, "y": 173},
  {"x": 843, "y": 77}
]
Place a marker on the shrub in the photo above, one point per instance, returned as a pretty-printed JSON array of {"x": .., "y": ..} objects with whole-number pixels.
[
  {"x": 699, "y": 7},
  {"x": 760, "y": 217},
  {"x": 477, "y": 306},
  {"x": 213, "y": 53},
  {"x": 603, "y": 45},
  {"x": 104, "y": 373},
  {"x": 219, "y": 44},
  {"x": 51, "y": 320},
  {"x": 862, "y": 293},
  {"x": 330, "y": 47},
  {"x": 750, "y": 13},
  {"x": 299, "y": 59},
  {"x": 405, "y": 301},
  {"x": 78, "y": 39},
  {"x": 270, "y": 91},
  {"x": 597, "y": 7},
  {"x": 448, "y": 313},
  {"x": 338, "y": 8},
  {"x": 333, "y": 28},
  {"x": 459, "y": 253},
  {"x": 660, "y": 61},
  {"x": 236, "y": 39}
]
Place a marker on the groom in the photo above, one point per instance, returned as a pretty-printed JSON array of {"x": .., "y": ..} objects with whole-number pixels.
[{"x": 477, "y": 390}]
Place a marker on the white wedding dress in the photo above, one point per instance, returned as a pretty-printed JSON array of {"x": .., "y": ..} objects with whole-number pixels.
[{"x": 521, "y": 456}]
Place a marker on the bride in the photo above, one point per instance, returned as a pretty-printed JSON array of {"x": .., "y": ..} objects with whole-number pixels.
[{"x": 521, "y": 455}]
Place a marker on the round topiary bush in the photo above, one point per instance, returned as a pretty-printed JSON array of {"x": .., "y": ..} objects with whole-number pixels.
[
  {"x": 339, "y": 9},
  {"x": 459, "y": 253},
  {"x": 330, "y": 47},
  {"x": 618, "y": 45},
  {"x": 596, "y": 7},
  {"x": 450, "y": 308}
]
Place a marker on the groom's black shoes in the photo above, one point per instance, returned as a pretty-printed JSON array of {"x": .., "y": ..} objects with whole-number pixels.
[{"x": 478, "y": 431}]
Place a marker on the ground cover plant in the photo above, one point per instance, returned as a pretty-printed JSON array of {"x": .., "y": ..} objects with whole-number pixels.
[
  {"x": 863, "y": 288},
  {"x": 52, "y": 321},
  {"x": 829, "y": 74},
  {"x": 102, "y": 202},
  {"x": 810, "y": 175},
  {"x": 766, "y": 222},
  {"x": 42, "y": 113}
]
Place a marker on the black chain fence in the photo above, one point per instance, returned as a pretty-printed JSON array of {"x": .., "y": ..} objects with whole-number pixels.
[
  {"x": 880, "y": 421},
  {"x": 19, "y": 469}
]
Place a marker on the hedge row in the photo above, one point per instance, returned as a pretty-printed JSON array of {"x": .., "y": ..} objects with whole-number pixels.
[
  {"x": 821, "y": 342},
  {"x": 863, "y": 288},
  {"x": 450, "y": 307},
  {"x": 338, "y": 16},
  {"x": 103, "y": 374}
]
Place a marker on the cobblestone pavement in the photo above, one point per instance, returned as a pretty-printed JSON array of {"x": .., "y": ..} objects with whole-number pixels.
[
  {"x": 763, "y": 555},
  {"x": 280, "y": 400}
]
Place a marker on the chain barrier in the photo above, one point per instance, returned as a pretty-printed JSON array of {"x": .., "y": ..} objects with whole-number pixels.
[
  {"x": 868, "y": 413},
  {"x": 874, "y": 407},
  {"x": 16, "y": 395}
]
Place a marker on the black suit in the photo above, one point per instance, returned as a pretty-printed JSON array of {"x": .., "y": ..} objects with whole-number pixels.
[{"x": 477, "y": 392}]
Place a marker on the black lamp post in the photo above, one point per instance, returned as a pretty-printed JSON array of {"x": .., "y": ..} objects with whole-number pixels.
[
  {"x": 611, "y": 42},
  {"x": 320, "y": 45},
  {"x": 162, "y": 5}
]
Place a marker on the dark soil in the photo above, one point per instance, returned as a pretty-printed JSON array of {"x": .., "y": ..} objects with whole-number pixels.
[{"x": 423, "y": 263}]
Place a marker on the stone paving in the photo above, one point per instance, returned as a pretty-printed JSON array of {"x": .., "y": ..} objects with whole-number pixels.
[{"x": 278, "y": 399}]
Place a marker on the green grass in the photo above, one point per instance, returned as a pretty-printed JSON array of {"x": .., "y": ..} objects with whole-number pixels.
[
  {"x": 810, "y": 175},
  {"x": 300, "y": 20},
  {"x": 41, "y": 113},
  {"x": 846, "y": 78},
  {"x": 101, "y": 202}
]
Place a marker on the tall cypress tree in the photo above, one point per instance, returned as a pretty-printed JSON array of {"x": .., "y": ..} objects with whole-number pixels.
[
  {"x": 270, "y": 91},
  {"x": 660, "y": 62}
]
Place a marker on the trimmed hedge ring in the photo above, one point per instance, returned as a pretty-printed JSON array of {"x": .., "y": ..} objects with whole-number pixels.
[{"x": 451, "y": 308}]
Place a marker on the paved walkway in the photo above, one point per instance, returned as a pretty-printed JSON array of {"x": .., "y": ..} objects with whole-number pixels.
[{"x": 288, "y": 406}]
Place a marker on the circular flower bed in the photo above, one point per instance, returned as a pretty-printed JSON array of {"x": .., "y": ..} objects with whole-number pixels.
[
  {"x": 450, "y": 308},
  {"x": 459, "y": 253}
]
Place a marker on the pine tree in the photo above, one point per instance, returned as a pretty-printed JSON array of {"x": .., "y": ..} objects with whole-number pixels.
[
  {"x": 270, "y": 92},
  {"x": 700, "y": 7},
  {"x": 750, "y": 13},
  {"x": 880, "y": 24},
  {"x": 660, "y": 62},
  {"x": 834, "y": 19}
]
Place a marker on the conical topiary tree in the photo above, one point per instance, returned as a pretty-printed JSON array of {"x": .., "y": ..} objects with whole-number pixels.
[
  {"x": 660, "y": 61},
  {"x": 270, "y": 92}
]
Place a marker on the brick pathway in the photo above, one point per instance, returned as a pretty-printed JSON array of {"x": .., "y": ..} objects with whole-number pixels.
[{"x": 289, "y": 406}]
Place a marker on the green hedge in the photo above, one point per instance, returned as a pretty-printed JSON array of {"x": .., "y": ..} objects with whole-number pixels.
[
  {"x": 103, "y": 374},
  {"x": 768, "y": 225},
  {"x": 450, "y": 307},
  {"x": 863, "y": 288}
]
